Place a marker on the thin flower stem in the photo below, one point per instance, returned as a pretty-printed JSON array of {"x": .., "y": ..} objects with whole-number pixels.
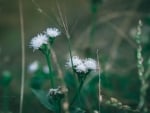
[
  {"x": 67, "y": 33},
  {"x": 77, "y": 93},
  {"x": 47, "y": 55}
]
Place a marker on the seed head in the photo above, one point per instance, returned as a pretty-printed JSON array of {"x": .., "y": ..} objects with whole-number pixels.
[{"x": 57, "y": 93}]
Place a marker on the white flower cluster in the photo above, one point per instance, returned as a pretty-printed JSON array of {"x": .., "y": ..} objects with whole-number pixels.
[
  {"x": 41, "y": 39},
  {"x": 81, "y": 65},
  {"x": 52, "y": 32}
]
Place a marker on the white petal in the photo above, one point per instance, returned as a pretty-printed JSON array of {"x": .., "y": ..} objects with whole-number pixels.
[
  {"x": 52, "y": 32},
  {"x": 90, "y": 64},
  {"x": 38, "y": 41}
]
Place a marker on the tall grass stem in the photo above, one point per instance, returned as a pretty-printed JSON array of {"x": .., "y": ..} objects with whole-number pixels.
[{"x": 22, "y": 54}]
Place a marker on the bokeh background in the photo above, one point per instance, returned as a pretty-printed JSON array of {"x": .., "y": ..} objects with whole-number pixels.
[{"x": 114, "y": 22}]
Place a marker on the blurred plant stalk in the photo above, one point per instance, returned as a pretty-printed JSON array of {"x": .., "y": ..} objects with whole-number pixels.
[{"x": 143, "y": 79}]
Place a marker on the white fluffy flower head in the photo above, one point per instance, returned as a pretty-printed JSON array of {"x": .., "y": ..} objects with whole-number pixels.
[
  {"x": 33, "y": 67},
  {"x": 81, "y": 68},
  {"x": 82, "y": 65},
  {"x": 38, "y": 41},
  {"x": 52, "y": 32},
  {"x": 90, "y": 64},
  {"x": 75, "y": 60}
]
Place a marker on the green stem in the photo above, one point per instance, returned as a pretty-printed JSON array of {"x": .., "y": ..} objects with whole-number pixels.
[
  {"x": 48, "y": 56},
  {"x": 58, "y": 105},
  {"x": 77, "y": 93}
]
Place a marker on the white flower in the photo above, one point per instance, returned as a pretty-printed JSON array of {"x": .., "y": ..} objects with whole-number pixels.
[
  {"x": 38, "y": 41},
  {"x": 52, "y": 32},
  {"x": 90, "y": 64},
  {"x": 75, "y": 60},
  {"x": 46, "y": 69},
  {"x": 33, "y": 67},
  {"x": 81, "y": 68},
  {"x": 57, "y": 91},
  {"x": 52, "y": 91}
]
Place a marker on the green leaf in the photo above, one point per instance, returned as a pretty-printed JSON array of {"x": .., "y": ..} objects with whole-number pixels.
[
  {"x": 70, "y": 80},
  {"x": 44, "y": 100}
]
